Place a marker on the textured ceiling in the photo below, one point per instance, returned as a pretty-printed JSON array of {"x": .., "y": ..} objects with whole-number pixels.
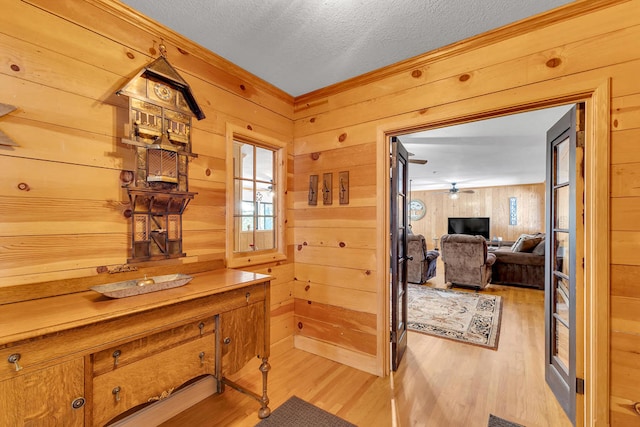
[{"x": 303, "y": 45}]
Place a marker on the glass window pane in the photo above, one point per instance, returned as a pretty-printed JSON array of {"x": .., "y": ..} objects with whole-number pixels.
[
  {"x": 400, "y": 178},
  {"x": 561, "y": 350},
  {"x": 562, "y": 255},
  {"x": 246, "y": 160},
  {"x": 562, "y": 207},
  {"x": 562, "y": 162},
  {"x": 264, "y": 164},
  {"x": 562, "y": 299},
  {"x": 400, "y": 241},
  {"x": 265, "y": 239}
]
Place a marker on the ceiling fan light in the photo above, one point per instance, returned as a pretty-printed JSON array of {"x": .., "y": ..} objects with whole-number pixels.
[{"x": 453, "y": 196}]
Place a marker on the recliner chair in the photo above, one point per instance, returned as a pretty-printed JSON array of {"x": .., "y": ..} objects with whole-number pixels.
[
  {"x": 423, "y": 265},
  {"x": 466, "y": 260}
]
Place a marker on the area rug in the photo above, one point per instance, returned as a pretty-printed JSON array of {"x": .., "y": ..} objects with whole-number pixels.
[
  {"x": 468, "y": 317},
  {"x": 499, "y": 422},
  {"x": 295, "y": 412}
]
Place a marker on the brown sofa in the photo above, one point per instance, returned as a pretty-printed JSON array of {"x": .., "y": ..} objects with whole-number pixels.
[
  {"x": 521, "y": 264},
  {"x": 467, "y": 261}
]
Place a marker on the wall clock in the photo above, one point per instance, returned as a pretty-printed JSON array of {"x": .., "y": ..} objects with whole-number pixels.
[
  {"x": 162, "y": 91},
  {"x": 417, "y": 209}
]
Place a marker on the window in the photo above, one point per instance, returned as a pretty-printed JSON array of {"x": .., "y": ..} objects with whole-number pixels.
[{"x": 255, "y": 198}]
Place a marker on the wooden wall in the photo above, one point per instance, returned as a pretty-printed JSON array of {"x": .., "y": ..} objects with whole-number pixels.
[
  {"x": 492, "y": 202},
  {"x": 337, "y": 264},
  {"x": 61, "y": 64}
]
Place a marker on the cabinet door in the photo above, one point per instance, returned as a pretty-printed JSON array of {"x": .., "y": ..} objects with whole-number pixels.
[
  {"x": 44, "y": 397},
  {"x": 242, "y": 336}
]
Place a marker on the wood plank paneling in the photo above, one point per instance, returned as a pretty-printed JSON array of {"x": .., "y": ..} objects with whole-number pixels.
[
  {"x": 494, "y": 72},
  {"x": 492, "y": 202},
  {"x": 64, "y": 63}
]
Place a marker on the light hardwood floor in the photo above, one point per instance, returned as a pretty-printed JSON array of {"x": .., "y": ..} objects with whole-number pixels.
[{"x": 440, "y": 382}]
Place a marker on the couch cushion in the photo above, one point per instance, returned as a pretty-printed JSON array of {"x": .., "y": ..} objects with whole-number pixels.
[
  {"x": 527, "y": 242},
  {"x": 539, "y": 249},
  {"x": 504, "y": 255}
]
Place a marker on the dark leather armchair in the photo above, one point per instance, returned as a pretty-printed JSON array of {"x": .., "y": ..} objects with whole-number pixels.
[
  {"x": 466, "y": 260},
  {"x": 423, "y": 265}
]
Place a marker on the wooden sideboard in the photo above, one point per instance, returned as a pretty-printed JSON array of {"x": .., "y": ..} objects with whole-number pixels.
[{"x": 85, "y": 359}]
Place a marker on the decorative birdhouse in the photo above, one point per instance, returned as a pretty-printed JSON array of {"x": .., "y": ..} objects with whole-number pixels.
[{"x": 161, "y": 106}]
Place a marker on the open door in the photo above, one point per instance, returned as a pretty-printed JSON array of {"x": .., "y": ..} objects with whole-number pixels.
[
  {"x": 399, "y": 220},
  {"x": 564, "y": 230}
]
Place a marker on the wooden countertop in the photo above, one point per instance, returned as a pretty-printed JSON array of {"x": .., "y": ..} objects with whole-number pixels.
[{"x": 29, "y": 319}]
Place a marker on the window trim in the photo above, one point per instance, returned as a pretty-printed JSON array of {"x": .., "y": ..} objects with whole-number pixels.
[{"x": 243, "y": 259}]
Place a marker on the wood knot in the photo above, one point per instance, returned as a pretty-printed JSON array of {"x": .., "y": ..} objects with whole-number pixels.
[
  {"x": 368, "y": 272},
  {"x": 299, "y": 325},
  {"x": 102, "y": 269},
  {"x": 464, "y": 77},
  {"x": 315, "y": 156},
  {"x": 23, "y": 186},
  {"x": 249, "y": 127},
  {"x": 130, "y": 55},
  {"x": 615, "y": 123},
  {"x": 207, "y": 172},
  {"x": 269, "y": 270},
  {"x": 182, "y": 51},
  {"x": 152, "y": 51},
  {"x": 305, "y": 244},
  {"x": 15, "y": 67},
  {"x": 416, "y": 74},
  {"x": 312, "y": 119},
  {"x": 342, "y": 244},
  {"x": 242, "y": 87},
  {"x": 636, "y": 407},
  {"x": 299, "y": 247},
  {"x": 306, "y": 288},
  {"x": 342, "y": 137},
  {"x": 127, "y": 213},
  {"x": 423, "y": 111},
  {"x": 554, "y": 62}
]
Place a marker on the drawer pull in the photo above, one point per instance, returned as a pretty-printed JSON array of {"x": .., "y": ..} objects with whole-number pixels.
[
  {"x": 227, "y": 340},
  {"x": 162, "y": 396},
  {"x": 201, "y": 327},
  {"x": 116, "y": 393},
  {"x": 201, "y": 356},
  {"x": 78, "y": 403},
  {"x": 14, "y": 358},
  {"x": 116, "y": 355}
]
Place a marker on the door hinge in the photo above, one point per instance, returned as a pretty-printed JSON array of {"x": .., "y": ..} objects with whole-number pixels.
[
  {"x": 392, "y": 336},
  {"x": 579, "y": 386}
]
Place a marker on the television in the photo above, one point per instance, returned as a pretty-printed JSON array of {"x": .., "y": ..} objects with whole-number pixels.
[{"x": 469, "y": 225}]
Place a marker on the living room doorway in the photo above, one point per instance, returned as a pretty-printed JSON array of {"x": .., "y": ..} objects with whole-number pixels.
[
  {"x": 596, "y": 278},
  {"x": 483, "y": 210}
]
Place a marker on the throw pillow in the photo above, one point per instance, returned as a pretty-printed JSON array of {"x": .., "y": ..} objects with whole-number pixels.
[
  {"x": 526, "y": 242},
  {"x": 539, "y": 249}
]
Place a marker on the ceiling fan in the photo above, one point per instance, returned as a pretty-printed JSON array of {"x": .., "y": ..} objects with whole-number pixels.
[
  {"x": 417, "y": 161},
  {"x": 454, "y": 191}
]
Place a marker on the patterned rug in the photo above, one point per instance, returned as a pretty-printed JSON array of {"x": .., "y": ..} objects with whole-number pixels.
[
  {"x": 468, "y": 317},
  {"x": 295, "y": 412},
  {"x": 499, "y": 422}
]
